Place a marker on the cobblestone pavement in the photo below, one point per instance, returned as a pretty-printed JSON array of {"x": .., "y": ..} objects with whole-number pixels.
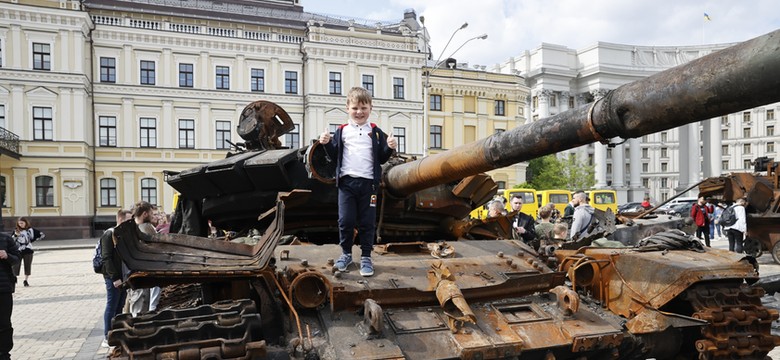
[{"x": 60, "y": 316}]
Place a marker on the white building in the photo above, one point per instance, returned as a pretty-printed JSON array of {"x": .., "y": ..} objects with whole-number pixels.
[{"x": 659, "y": 164}]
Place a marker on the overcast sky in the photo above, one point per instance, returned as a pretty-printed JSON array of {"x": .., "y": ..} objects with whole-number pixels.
[{"x": 514, "y": 26}]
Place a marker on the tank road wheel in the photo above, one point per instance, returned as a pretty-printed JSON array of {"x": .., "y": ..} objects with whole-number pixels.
[
  {"x": 739, "y": 326},
  {"x": 752, "y": 247},
  {"x": 776, "y": 252}
]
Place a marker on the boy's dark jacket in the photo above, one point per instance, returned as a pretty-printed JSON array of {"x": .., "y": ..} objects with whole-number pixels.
[{"x": 379, "y": 147}]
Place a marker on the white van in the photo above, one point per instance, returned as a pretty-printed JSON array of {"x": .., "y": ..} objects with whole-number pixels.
[{"x": 680, "y": 200}]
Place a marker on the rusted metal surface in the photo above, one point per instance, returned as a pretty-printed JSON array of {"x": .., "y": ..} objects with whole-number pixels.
[
  {"x": 699, "y": 90},
  {"x": 450, "y": 297},
  {"x": 226, "y": 330}
]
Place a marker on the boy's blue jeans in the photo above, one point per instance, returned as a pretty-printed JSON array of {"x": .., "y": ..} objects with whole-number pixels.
[{"x": 355, "y": 210}]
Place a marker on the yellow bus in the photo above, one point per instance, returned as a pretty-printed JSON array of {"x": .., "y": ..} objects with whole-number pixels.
[
  {"x": 603, "y": 199},
  {"x": 558, "y": 197}
]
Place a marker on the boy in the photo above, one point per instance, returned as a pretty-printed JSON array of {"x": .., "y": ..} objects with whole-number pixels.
[{"x": 359, "y": 148}]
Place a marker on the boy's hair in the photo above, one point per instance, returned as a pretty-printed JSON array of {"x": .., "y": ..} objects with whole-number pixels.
[
  {"x": 560, "y": 229},
  {"x": 142, "y": 207},
  {"x": 545, "y": 212},
  {"x": 359, "y": 95}
]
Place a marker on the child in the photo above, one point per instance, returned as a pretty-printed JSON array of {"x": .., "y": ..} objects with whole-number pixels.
[
  {"x": 359, "y": 148},
  {"x": 560, "y": 233}
]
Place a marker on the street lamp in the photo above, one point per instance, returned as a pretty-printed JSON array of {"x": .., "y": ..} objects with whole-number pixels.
[{"x": 428, "y": 71}]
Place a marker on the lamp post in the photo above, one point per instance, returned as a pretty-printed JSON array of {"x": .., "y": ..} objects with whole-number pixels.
[{"x": 430, "y": 70}]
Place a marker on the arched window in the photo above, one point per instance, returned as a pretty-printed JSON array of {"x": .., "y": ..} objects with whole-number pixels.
[
  {"x": 44, "y": 191},
  {"x": 149, "y": 190},
  {"x": 108, "y": 192},
  {"x": 3, "y": 193}
]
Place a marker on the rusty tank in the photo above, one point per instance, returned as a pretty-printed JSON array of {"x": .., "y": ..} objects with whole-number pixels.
[
  {"x": 761, "y": 189},
  {"x": 445, "y": 286}
]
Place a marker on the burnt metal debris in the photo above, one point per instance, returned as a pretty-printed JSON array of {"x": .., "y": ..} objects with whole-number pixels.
[{"x": 274, "y": 293}]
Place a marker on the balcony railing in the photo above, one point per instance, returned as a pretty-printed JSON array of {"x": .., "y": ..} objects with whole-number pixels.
[{"x": 9, "y": 143}]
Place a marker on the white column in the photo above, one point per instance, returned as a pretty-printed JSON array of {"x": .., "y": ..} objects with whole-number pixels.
[
  {"x": 715, "y": 154},
  {"x": 275, "y": 78},
  {"x": 683, "y": 158},
  {"x": 167, "y": 129},
  {"x": 21, "y": 190},
  {"x": 167, "y": 72},
  {"x": 128, "y": 190},
  {"x": 618, "y": 166},
  {"x": 129, "y": 125},
  {"x": 694, "y": 168},
  {"x": 544, "y": 103},
  {"x": 82, "y": 117},
  {"x": 126, "y": 76},
  {"x": 239, "y": 80},
  {"x": 600, "y": 150},
  {"x": 78, "y": 49},
  {"x": 635, "y": 163},
  {"x": 207, "y": 125},
  {"x": 64, "y": 55},
  {"x": 15, "y": 114},
  {"x": 63, "y": 129},
  {"x": 16, "y": 42},
  {"x": 205, "y": 70}
]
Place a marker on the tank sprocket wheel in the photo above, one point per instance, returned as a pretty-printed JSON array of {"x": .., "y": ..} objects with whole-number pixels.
[{"x": 740, "y": 327}]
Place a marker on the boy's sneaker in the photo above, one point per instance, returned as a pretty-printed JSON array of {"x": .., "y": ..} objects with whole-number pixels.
[
  {"x": 343, "y": 262},
  {"x": 366, "y": 266}
]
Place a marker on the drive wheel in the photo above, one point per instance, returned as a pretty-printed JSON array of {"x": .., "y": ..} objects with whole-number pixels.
[
  {"x": 752, "y": 247},
  {"x": 776, "y": 252}
]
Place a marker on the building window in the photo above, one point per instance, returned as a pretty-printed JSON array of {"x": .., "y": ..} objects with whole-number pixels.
[
  {"x": 223, "y": 134},
  {"x": 746, "y": 148},
  {"x": 41, "y": 56},
  {"x": 770, "y": 147},
  {"x": 186, "y": 75},
  {"x": 724, "y": 165},
  {"x": 186, "y": 134},
  {"x": 107, "y": 192},
  {"x": 293, "y": 138},
  {"x": 334, "y": 83},
  {"x": 435, "y": 102},
  {"x": 724, "y": 149},
  {"x": 609, "y": 153},
  {"x": 148, "y": 132},
  {"x": 664, "y": 152},
  {"x": 2, "y": 117},
  {"x": 149, "y": 190},
  {"x": 435, "y": 137},
  {"x": 368, "y": 83},
  {"x": 746, "y": 133},
  {"x": 257, "y": 80},
  {"x": 290, "y": 82},
  {"x": 724, "y": 134},
  {"x": 746, "y": 117},
  {"x": 609, "y": 168},
  {"x": 770, "y": 114},
  {"x": 553, "y": 101},
  {"x": 107, "y": 131},
  {"x": 747, "y": 164},
  {"x": 645, "y": 153},
  {"x": 645, "y": 183},
  {"x": 398, "y": 88},
  {"x": 571, "y": 102},
  {"x": 664, "y": 136},
  {"x": 664, "y": 182},
  {"x": 107, "y": 70},
  {"x": 724, "y": 120},
  {"x": 147, "y": 72},
  {"x": 645, "y": 167},
  {"x": 535, "y": 102},
  {"x": 400, "y": 136},
  {"x": 500, "y": 108},
  {"x": 664, "y": 167},
  {"x": 3, "y": 195},
  {"x": 44, "y": 191},
  {"x": 42, "y": 123},
  {"x": 770, "y": 130},
  {"x": 223, "y": 78}
]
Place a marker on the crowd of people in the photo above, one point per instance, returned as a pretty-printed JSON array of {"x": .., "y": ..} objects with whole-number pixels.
[{"x": 707, "y": 215}]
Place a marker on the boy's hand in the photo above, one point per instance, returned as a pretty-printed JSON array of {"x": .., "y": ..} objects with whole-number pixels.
[
  {"x": 391, "y": 141},
  {"x": 325, "y": 137}
]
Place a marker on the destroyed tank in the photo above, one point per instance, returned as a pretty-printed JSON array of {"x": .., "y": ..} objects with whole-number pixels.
[{"x": 448, "y": 287}]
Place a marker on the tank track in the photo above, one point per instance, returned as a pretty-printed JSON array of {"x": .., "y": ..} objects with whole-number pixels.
[
  {"x": 223, "y": 330},
  {"x": 740, "y": 327}
]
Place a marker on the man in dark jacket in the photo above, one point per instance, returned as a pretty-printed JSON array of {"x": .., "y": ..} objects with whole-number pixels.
[
  {"x": 112, "y": 274},
  {"x": 9, "y": 256},
  {"x": 523, "y": 224}
]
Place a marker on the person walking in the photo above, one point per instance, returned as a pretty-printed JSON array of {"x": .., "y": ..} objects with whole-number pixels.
[
  {"x": 716, "y": 216},
  {"x": 359, "y": 148},
  {"x": 736, "y": 232},
  {"x": 25, "y": 235},
  {"x": 701, "y": 216},
  {"x": 112, "y": 274},
  {"x": 9, "y": 258}
]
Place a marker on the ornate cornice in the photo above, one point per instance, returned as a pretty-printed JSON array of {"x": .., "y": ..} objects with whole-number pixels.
[
  {"x": 55, "y": 18},
  {"x": 40, "y": 78}
]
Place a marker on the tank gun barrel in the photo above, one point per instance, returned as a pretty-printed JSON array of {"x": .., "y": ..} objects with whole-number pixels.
[{"x": 737, "y": 78}]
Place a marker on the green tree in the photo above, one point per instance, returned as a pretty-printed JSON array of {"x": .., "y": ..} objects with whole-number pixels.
[{"x": 550, "y": 172}]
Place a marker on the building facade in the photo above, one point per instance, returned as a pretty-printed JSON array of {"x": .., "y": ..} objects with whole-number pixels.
[
  {"x": 660, "y": 164},
  {"x": 99, "y": 97}
]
